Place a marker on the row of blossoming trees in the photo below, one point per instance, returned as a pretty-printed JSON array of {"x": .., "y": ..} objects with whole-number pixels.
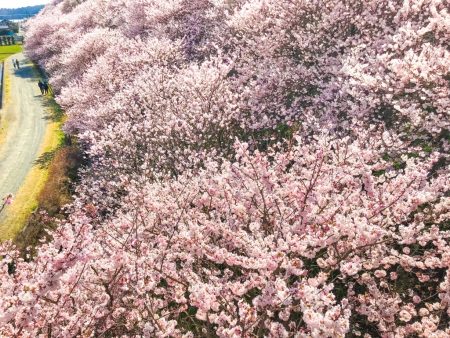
[{"x": 255, "y": 168}]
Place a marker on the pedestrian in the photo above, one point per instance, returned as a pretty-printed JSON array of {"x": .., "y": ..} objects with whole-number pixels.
[
  {"x": 18, "y": 64},
  {"x": 7, "y": 200},
  {"x": 45, "y": 87},
  {"x": 41, "y": 87},
  {"x": 14, "y": 63}
]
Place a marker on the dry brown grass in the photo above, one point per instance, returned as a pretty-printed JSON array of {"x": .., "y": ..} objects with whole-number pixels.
[{"x": 57, "y": 191}]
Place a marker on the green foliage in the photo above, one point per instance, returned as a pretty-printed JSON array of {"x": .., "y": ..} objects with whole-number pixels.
[
  {"x": 7, "y": 51},
  {"x": 378, "y": 173}
]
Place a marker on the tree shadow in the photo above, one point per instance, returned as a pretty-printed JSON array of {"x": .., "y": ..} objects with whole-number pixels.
[
  {"x": 54, "y": 112},
  {"x": 25, "y": 72},
  {"x": 45, "y": 159}
]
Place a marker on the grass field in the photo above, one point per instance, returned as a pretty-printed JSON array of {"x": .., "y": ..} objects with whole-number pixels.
[{"x": 6, "y": 51}]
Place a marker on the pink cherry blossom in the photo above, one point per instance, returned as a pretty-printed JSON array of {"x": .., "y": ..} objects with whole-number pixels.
[{"x": 252, "y": 168}]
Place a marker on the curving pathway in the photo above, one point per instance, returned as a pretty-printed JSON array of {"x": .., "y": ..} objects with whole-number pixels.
[{"x": 25, "y": 115}]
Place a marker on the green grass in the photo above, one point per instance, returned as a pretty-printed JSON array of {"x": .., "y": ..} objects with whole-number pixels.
[{"x": 6, "y": 51}]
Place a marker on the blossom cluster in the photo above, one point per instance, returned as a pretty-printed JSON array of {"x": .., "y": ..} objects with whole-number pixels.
[{"x": 254, "y": 168}]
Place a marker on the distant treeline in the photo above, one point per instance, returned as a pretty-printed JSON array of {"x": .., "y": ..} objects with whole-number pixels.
[{"x": 19, "y": 13}]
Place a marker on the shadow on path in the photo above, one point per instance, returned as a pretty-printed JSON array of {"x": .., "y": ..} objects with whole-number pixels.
[
  {"x": 25, "y": 72},
  {"x": 45, "y": 159}
]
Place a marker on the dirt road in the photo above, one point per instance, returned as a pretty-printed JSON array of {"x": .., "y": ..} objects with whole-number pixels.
[{"x": 24, "y": 114}]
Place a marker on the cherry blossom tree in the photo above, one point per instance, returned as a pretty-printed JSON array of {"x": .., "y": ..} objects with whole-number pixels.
[
  {"x": 307, "y": 242},
  {"x": 254, "y": 168}
]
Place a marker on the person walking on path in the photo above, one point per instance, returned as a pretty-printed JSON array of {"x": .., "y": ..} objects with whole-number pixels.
[
  {"x": 7, "y": 200},
  {"x": 41, "y": 87},
  {"x": 45, "y": 87},
  {"x": 48, "y": 88},
  {"x": 18, "y": 64},
  {"x": 14, "y": 63}
]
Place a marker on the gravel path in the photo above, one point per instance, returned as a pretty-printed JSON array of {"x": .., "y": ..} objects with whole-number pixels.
[{"x": 25, "y": 114}]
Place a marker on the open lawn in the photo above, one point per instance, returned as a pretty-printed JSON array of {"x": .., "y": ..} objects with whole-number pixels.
[{"x": 6, "y": 51}]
